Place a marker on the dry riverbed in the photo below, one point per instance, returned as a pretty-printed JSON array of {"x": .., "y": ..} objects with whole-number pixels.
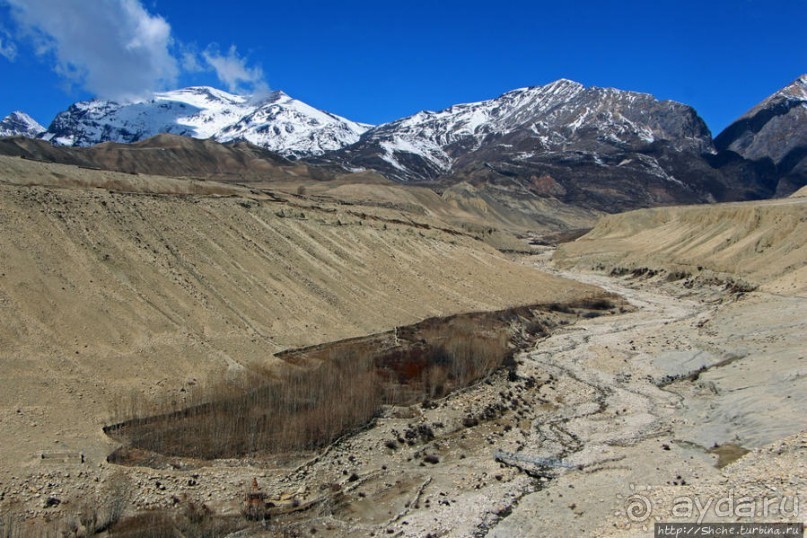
[{"x": 650, "y": 404}]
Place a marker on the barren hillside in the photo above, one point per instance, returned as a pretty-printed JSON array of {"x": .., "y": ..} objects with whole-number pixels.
[
  {"x": 801, "y": 193},
  {"x": 104, "y": 293},
  {"x": 509, "y": 207},
  {"x": 759, "y": 242}
]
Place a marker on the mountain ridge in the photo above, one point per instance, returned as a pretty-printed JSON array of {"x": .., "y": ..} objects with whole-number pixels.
[
  {"x": 275, "y": 121},
  {"x": 429, "y": 143},
  {"x": 603, "y": 149},
  {"x": 20, "y": 124},
  {"x": 774, "y": 133}
]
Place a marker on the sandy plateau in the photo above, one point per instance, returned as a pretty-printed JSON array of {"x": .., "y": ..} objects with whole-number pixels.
[{"x": 692, "y": 384}]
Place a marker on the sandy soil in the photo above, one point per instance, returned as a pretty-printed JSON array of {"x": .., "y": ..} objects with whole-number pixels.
[
  {"x": 760, "y": 242},
  {"x": 594, "y": 405},
  {"x": 602, "y": 413},
  {"x": 143, "y": 294}
]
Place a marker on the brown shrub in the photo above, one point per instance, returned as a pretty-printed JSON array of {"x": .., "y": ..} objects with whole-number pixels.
[{"x": 323, "y": 392}]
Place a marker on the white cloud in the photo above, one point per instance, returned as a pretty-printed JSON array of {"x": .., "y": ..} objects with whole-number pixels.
[
  {"x": 8, "y": 49},
  {"x": 233, "y": 71},
  {"x": 190, "y": 62},
  {"x": 113, "y": 48},
  {"x": 116, "y": 49}
]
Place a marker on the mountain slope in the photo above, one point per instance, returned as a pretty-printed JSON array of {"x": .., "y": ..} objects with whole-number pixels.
[
  {"x": 277, "y": 122},
  {"x": 775, "y": 130},
  {"x": 599, "y": 148},
  {"x": 104, "y": 292},
  {"x": 247, "y": 164},
  {"x": 180, "y": 156},
  {"x": 292, "y": 128},
  {"x": 553, "y": 117},
  {"x": 20, "y": 124},
  {"x": 761, "y": 242}
]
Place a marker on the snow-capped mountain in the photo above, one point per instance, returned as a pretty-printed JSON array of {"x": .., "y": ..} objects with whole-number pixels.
[
  {"x": 291, "y": 127},
  {"x": 601, "y": 148},
  {"x": 774, "y": 131},
  {"x": 276, "y": 122},
  {"x": 522, "y": 123},
  {"x": 20, "y": 124},
  {"x": 591, "y": 147}
]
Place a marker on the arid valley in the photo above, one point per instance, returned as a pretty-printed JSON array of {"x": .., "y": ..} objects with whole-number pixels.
[
  {"x": 452, "y": 269},
  {"x": 661, "y": 355}
]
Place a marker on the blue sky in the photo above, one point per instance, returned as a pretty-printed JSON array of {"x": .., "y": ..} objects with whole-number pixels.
[{"x": 378, "y": 61}]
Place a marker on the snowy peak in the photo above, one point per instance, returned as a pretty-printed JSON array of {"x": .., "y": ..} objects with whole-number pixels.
[
  {"x": 547, "y": 118},
  {"x": 600, "y": 148},
  {"x": 293, "y": 128},
  {"x": 797, "y": 90},
  {"x": 275, "y": 121},
  {"x": 20, "y": 124},
  {"x": 799, "y": 87},
  {"x": 202, "y": 96}
]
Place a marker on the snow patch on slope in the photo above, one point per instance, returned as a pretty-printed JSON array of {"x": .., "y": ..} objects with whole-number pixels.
[
  {"x": 20, "y": 124},
  {"x": 279, "y": 122},
  {"x": 291, "y": 127},
  {"x": 540, "y": 119}
]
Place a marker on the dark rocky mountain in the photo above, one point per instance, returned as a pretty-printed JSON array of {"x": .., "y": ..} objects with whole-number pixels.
[
  {"x": 773, "y": 134},
  {"x": 599, "y": 148},
  {"x": 20, "y": 124}
]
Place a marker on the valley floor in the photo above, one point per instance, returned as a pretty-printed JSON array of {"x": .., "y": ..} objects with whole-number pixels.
[
  {"x": 615, "y": 419},
  {"x": 646, "y": 407},
  {"x": 653, "y": 436}
]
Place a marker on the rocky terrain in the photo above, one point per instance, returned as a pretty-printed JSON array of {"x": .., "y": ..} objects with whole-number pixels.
[
  {"x": 139, "y": 291},
  {"x": 773, "y": 135},
  {"x": 602, "y": 410}
]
